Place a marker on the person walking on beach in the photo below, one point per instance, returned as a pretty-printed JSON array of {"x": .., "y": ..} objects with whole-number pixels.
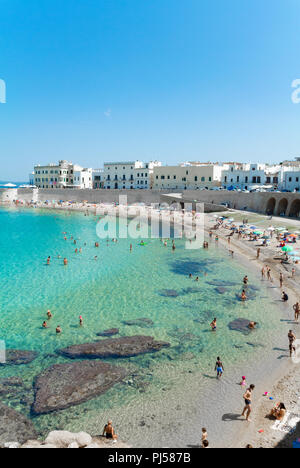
[
  {"x": 263, "y": 273},
  {"x": 219, "y": 368},
  {"x": 280, "y": 280},
  {"x": 248, "y": 402},
  {"x": 292, "y": 337},
  {"x": 293, "y": 273},
  {"x": 258, "y": 254},
  {"x": 296, "y": 308}
]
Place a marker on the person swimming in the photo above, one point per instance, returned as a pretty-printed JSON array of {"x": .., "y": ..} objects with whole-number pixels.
[
  {"x": 49, "y": 314},
  {"x": 214, "y": 324},
  {"x": 58, "y": 330},
  {"x": 65, "y": 261},
  {"x": 252, "y": 325},
  {"x": 81, "y": 321},
  {"x": 45, "y": 325}
]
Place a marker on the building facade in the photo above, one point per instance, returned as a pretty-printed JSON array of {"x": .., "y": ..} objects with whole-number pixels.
[
  {"x": 251, "y": 177},
  {"x": 65, "y": 174},
  {"x": 129, "y": 175},
  {"x": 187, "y": 176},
  {"x": 98, "y": 179}
]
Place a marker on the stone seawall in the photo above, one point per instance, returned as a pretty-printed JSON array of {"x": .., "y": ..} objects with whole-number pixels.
[{"x": 287, "y": 204}]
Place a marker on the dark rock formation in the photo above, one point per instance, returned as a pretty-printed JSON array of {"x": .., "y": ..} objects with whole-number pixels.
[
  {"x": 111, "y": 332},
  {"x": 14, "y": 427},
  {"x": 140, "y": 322},
  {"x": 169, "y": 293},
  {"x": 241, "y": 325},
  {"x": 17, "y": 357},
  {"x": 10, "y": 385},
  {"x": 64, "y": 385},
  {"x": 115, "y": 347}
]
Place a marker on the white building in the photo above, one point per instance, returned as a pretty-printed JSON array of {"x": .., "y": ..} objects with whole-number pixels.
[
  {"x": 143, "y": 176},
  {"x": 129, "y": 175},
  {"x": 62, "y": 175},
  {"x": 83, "y": 178},
  {"x": 251, "y": 176},
  {"x": 290, "y": 179}
]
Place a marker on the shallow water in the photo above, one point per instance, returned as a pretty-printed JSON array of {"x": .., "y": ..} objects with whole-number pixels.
[{"x": 151, "y": 282}]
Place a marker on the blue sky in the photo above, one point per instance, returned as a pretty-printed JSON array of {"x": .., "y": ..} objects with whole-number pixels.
[{"x": 175, "y": 80}]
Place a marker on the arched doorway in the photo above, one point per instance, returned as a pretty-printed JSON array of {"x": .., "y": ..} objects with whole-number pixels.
[
  {"x": 295, "y": 209},
  {"x": 271, "y": 206},
  {"x": 282, "y": 207},
  {"x": 116, "y": 186}
]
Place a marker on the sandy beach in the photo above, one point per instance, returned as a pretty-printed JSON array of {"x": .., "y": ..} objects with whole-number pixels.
[{"x": 219, "y": 405}]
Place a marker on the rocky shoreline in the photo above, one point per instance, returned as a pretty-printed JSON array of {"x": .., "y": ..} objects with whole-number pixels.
[{"x": 62, "y": 440}]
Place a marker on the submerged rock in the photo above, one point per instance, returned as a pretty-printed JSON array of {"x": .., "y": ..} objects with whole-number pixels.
[
  {"x": 241, "y": 325},
  {"x": 12, "y": 385},
  {"x": 64, "y": 385},
  {"x": 140, "y": 322},
  {"x": 17, "y": 357},
  {"x": 115, "y": 347},
  {"x": 14, "y": 427},
  {"x": 111, "y": 332},
  {"x": 221, "y": 290},
  {"x": 169, "y": 293}
]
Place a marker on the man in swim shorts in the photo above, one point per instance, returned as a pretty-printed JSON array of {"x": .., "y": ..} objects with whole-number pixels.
[
  {"x": 219, "y": 368},
  {"x": 248, "y": 402}
]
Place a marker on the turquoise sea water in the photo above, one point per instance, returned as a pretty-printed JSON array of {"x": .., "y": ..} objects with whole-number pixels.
[{"x": 151, "y": 282}]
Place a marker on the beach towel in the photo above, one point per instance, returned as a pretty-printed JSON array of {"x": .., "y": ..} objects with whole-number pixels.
[{"x": 288, "y": 424}]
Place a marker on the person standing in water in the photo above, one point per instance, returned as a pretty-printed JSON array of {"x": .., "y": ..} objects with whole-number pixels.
[
  {"x": 214, "y": 325},
  {"x": 219, "y": 368}
]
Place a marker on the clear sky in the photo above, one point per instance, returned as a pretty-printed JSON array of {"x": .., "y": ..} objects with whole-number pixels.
[{"x": 175, "y": 80}]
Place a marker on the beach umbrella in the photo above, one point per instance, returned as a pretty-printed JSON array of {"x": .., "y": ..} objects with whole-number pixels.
[
  {"x": 293, "y": 254},
  {"x": 266, "y": 237},
  {"x": 293, "y": 235},
  {"x": 257, "y": 233},
  {"x": 287, "y": 248},
  {"x": 253, "y": 227}
]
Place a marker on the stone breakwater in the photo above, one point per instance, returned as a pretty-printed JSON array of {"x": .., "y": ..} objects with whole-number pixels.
[{"x": 64, "y": 440}]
